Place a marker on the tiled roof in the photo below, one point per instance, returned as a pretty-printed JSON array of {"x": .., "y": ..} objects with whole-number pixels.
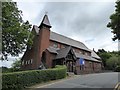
[
  {"x": 62, "y": 53},
  {"x": 79, "y": 55},
  {"x": 52, "y": 50},
  {"x": 63, "y": 39},
  {"x": 94, "y": 55}
]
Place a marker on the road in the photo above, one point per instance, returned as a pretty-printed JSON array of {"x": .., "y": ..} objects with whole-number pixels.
[{"x": 99, "y": 80}]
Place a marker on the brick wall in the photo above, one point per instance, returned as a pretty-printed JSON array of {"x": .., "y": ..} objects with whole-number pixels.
[
  {"x": 40, "y": 43},
  {"x": 49, "y": 58},
  {"x": 89, "y": 67},
  {"x": 43, "y": 42}
]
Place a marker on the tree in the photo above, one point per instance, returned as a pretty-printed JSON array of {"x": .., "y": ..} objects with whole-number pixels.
[
  {"x": 110, "y": 59},
  {"x": 101, "y": 51},
  {"x": 114, "y": 24},
  {"x": 112, "y": 62},
  {"x": 15, "y": 31},
  {"x": 16, "y": 65},
  {"x": 104, "y": 56}
]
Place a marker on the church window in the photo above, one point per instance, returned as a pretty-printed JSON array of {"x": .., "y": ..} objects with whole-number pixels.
[
  {"x": 26, "y": 62},
  {"x": 31, "y": 61}
]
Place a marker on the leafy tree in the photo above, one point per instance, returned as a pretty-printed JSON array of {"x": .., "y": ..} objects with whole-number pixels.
[
  {"x": 101, "y": 51},
  {"x": 15, "y": 31},
  {"x": 16, "y": 64},
  {"x": 104, "y": 56},
  {"x": 110, "y": 59},
  {"x": 112, "y": 62},
  {"x": 114, "y": 24}
]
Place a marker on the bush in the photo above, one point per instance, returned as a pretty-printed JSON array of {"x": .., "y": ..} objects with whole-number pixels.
[
  {"x": 19, "y": 80},
  {"x": 117, "y": 69}
]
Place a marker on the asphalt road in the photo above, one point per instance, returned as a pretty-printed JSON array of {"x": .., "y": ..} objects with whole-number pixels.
[{"x": 99, "y": 80}]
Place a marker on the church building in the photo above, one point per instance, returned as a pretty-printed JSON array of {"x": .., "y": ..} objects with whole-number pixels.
[{"x": 50, "y": 49}]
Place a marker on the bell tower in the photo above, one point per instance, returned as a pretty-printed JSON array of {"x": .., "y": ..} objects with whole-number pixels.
[{"x": 44, "y": 36}]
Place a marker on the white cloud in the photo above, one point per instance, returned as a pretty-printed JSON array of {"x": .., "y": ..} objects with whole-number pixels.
[
  {"x": 30, "y": 10},
  {"x": 84, "y": 21}
]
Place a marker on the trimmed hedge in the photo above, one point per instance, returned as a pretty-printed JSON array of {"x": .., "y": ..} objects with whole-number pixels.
[{"x": 19, "y": 80}]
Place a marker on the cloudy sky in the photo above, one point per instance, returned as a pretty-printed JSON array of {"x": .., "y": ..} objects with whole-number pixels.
[{"x": 82, "y": 21}]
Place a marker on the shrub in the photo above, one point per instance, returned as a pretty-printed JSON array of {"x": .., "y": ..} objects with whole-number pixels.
[{"x": 19, "y": 80}]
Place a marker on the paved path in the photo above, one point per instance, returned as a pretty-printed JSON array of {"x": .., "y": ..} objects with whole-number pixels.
[{"x": 99, "y": 80}]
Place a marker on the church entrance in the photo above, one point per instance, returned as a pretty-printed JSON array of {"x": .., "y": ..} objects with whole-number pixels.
[
  {"x": 70, "y": 66},
  {"x": 66, "y": 57}
]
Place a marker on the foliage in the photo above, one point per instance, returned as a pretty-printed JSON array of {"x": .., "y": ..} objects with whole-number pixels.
[
  {"x": 5, "y": 69},
  {"x": 15, "y": 67},
  {"x": 110, "y": 59},
  {"x": 115, "y": 22},
  {"x": 19, "y": 80},
  {"x": 17, "y": 64},
  {"x": 9, "y": 70},
  {"x": 112, "y": 62},
  {"x": 117, "y": 69},
  {"x": 15, "y": 31},
  {"x": 104, "y": 56}
]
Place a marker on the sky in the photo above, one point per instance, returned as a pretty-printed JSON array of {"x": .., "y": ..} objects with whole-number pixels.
[{"x": 84, "y": 21}]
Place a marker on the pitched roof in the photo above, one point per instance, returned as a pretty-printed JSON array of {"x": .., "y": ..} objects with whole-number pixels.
[
  {"x": 62, "y": 53},
  {"x": 79, "y": 55},
  {"x": 45, "y": 21},
  {"x": 94, "y": 55},
  {"x": 63, "y": 39},
  {"x": 52, "y": 50},
  {"x": 36, "y": 29}
]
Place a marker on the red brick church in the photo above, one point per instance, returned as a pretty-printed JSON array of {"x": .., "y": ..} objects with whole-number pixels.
[{"x": 50, "y": 49}]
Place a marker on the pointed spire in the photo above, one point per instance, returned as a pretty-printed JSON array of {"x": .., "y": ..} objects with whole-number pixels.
[{"x": 45, "y": 21}]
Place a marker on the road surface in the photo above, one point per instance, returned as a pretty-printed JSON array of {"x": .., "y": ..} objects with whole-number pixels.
[{"x": 99, "y": 80}]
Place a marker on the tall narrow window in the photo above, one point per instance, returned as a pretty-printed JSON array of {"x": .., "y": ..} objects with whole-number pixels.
[
  {"x": 26, "y": 62},
  {"x": 31, "y": 61}
]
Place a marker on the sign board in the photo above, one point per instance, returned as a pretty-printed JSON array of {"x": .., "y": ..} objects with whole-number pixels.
[{"x": 81, "y": 61}]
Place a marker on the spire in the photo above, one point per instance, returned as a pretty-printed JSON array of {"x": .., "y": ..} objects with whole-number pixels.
[{"x": 45, "y": 21}]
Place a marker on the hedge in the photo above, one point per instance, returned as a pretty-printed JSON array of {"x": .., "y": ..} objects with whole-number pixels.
[{"x": 19, "y": 80}]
